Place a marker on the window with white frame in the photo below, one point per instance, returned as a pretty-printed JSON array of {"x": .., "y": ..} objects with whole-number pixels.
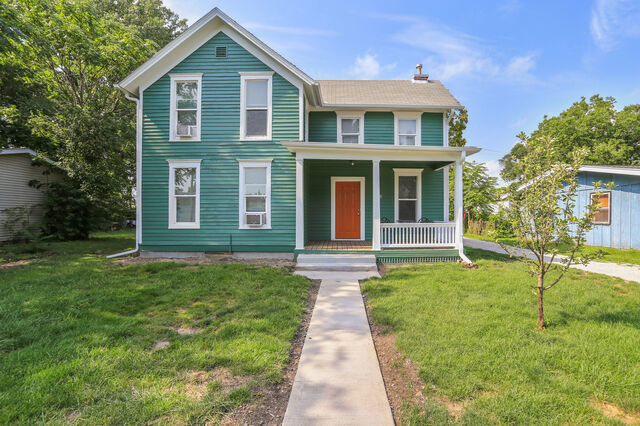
[
  {"x": 184, "y": 194},
  {"x": 255, "y": 194},
  {"x": 407, "y": 129},
  {"x": 408, "y": 195},
  {"x": 255, "y": 105},
  {"x": 350, "y": 128},
  {"x": 186, "y": 95}
]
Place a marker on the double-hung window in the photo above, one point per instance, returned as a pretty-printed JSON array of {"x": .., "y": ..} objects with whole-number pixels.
[
  {"x": 255, "y": 105},
  {"x": 184, "y": 194},
  {"x": 603, "y": 217},
  {"x": 407, "y": 129},
  {"x": 186, "y": 95},
  {"x": 350, "y": 128},
  {"x": 408, "y": 195},
  {"x": 255, "y": 194}
]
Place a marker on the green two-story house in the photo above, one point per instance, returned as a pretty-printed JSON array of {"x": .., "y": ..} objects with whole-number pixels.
[{"x": 239, "y": 150}]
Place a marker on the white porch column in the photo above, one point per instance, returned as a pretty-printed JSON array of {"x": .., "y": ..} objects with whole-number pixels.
[
  {"x": 376, "y": 205},
  {"x": 458, "y": 206},
  {"x": 299, "y": 203}
]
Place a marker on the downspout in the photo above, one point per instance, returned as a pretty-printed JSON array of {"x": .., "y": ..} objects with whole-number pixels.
[{"x": 138, "y": 158}]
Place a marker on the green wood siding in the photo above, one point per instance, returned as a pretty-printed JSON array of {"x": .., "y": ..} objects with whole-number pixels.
[
  {"x": 322, "y": 126},
  {"x": 219, "y": 150},
  {"x": 317, "y": 191},
  {"x": 378, "y": 128},
  {"x": 432, "y": 189},
  {"x": 431, "y": 128}
]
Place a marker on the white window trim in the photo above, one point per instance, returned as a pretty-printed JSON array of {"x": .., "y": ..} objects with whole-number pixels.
[
  {"x": 407, "y": 116},
  {"x": 335, "y": 179},
  {"x": 407, "y": 172},
  {"x": 248, "y": 76},
  {"x": 350, "y": 115},
  {"x": 243, "y": 163},
  {"x": 177, "y": 164},
  {"x": 172, "y": 108}
]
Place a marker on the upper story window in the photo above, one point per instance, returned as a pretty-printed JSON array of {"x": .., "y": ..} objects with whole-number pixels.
[
  {"x": 255, "y": 194},
  {"x": 603, "y": 217},
  {"x": 407, "y": 128},
  {"x": 184, "y": 194},
  {"x": 186, "y": 106},
  {"x": 255, "y": 105},
  {"x": 351, "y": 127}
]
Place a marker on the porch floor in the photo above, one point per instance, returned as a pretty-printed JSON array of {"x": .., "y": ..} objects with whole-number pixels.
[{"x": 339, "y": 245}]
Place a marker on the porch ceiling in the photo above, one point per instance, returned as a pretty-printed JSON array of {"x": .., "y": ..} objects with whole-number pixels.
[{"x": 335, "y": 151}]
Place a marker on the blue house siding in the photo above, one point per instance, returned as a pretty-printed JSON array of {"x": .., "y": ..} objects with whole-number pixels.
[
  {"x": 219, "y": 150},
  {"x": 624, "y": 230}
]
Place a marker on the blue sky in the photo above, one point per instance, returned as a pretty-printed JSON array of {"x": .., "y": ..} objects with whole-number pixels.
[{"x": 509, "y": 62}]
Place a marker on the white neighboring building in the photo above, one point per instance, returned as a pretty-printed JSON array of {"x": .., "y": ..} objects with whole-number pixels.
[{"x": 16, "y": 171}]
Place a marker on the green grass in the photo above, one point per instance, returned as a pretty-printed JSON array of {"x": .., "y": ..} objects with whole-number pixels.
[
  {"x": 473, "y": 335},
  {"x": 608, "y": 254},
  {"x": 77, "y": 333}
]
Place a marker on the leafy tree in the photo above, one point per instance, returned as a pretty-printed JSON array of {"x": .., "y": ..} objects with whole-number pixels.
[
  {"x": 457, "y": 126},
  {"x": 542, "y": 214},
  {"x": 479, "y": 191},
  {"x": 609, "y": 136},
  {"x": 72, "y": 54}
]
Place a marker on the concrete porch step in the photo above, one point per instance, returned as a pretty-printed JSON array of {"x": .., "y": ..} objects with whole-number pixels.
[{"x": 337, "y": 262}]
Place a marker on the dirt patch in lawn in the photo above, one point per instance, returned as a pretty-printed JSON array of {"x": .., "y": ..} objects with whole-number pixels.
[
  {"x": 209, "y": 259},
  {"x": 15, "y": 264},
  {"x": 615, "y": 412},
  {"x": 404, "y": 386},
  {"x": 270, "y": 402}
]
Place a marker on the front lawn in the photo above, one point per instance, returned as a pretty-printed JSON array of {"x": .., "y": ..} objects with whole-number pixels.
[
  {"x": 472, "y": 334},
  {"x": 608, "y": 254},
  {"x": 90, "y": 340}
]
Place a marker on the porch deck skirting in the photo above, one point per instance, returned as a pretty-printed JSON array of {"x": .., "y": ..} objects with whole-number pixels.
[{"x": 409, "y": 235}]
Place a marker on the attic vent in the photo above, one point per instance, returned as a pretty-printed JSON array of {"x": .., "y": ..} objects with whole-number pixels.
[{"x": 221, "y": 51}]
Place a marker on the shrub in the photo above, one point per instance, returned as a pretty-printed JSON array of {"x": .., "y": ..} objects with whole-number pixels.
[
  {"x": 69, "y": 213},
  {"x": 18, "y": 224}
]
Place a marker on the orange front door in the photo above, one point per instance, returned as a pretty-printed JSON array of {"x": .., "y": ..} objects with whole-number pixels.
[{"x": 347, "y": 210}]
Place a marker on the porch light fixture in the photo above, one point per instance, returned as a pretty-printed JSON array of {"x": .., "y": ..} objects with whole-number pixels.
[{"x": 353, "y": 163}]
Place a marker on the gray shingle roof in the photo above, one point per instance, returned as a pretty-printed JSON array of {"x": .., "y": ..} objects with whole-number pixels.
[{"x": 386, "y": 93}]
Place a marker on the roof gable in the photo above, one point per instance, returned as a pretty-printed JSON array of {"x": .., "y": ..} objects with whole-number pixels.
[{"x": 199, "y": 33}]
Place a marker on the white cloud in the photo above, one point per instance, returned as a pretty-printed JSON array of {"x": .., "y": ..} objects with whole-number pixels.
[
  {"x": 612, "y": 20},
  {"x": 368, "y": 67},
  {"x": 493, "y": 168},
  {"x": 454, "y": 54}
]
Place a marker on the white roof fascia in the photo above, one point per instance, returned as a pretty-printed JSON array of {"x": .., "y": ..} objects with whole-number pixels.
[
  {"x": 611, "y": 170},
  {"x": 386, "y": 107},
  {"x": 331, "y": 150},
  {"x": 198, "y": 34}
]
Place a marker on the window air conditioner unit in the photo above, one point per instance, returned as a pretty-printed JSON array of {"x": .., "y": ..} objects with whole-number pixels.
[
  {"x": 255, "y": 219},
  {"x": 182, "y": 130}
]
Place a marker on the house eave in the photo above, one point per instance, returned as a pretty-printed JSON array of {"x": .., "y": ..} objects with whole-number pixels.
[
  {"x": 386, "y": 107},
  {"x": 335, "y": 151}
]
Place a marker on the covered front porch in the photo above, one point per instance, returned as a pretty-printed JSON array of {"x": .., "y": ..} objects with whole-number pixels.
[{"x": 354, "y": 198}]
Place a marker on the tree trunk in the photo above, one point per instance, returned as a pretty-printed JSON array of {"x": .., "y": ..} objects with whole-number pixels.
[{"x": 540, "y": 303}]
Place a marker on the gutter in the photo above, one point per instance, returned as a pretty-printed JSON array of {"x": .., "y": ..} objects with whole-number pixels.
[{"x": 132, "y": 98}]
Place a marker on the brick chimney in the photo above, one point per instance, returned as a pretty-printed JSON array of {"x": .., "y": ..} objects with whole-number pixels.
[{"x": 419, "y": 77}]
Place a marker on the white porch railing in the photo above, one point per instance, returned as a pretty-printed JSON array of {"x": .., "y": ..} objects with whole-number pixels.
[{"x": 418, "y": 234}]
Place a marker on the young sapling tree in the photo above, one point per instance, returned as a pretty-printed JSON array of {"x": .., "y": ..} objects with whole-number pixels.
[{"x": 544, "y": 219}]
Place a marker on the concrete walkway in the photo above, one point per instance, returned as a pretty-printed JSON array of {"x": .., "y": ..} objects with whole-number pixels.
[
  {"x": 626, "y": 272},
  {"x": 338, "y": 381}
]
